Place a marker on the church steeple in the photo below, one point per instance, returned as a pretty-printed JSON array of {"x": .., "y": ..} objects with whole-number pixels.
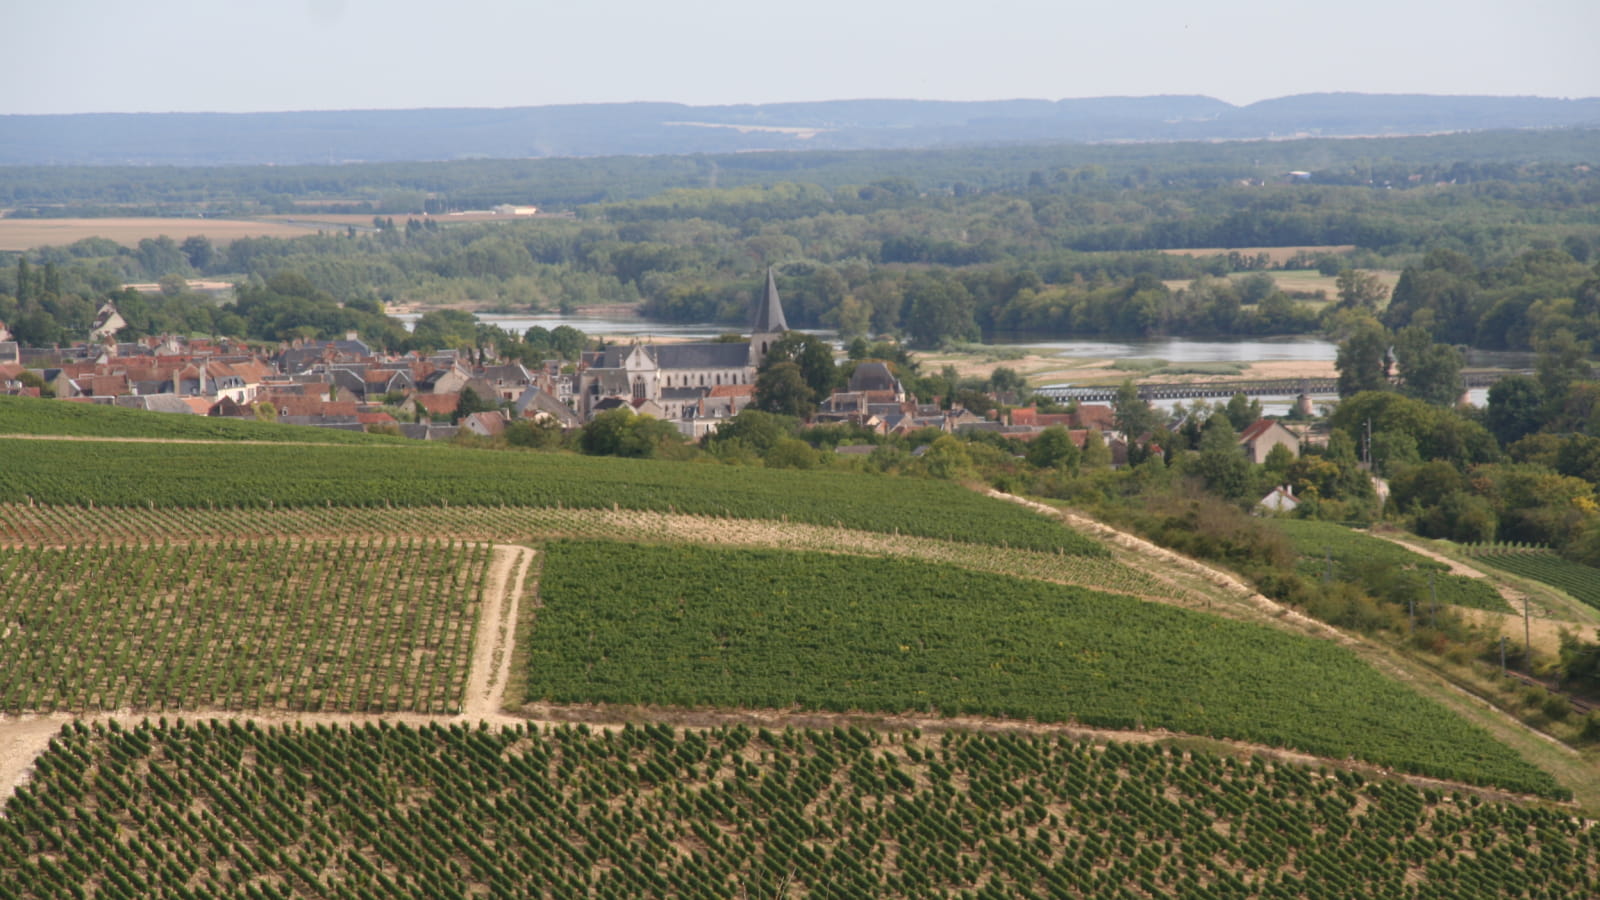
[
  {"x": 767, "y": 324},
  {"x": 767, "y": 317}
]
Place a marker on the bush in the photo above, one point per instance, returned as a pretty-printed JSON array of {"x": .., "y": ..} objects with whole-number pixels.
[{"x": 1556, "y": 707}]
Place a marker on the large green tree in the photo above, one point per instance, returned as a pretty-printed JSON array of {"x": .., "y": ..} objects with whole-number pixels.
[
  {"x": 782, "y": 389},
  {"x": 1429, "y": 372},
  {"x": 813, "y": 355},
  {"x": 938, "y": 308},
  {"x": 1363, "y": 358}
]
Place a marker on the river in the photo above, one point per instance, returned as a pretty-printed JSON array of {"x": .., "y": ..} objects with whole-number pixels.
[{"x": 1297, "y": 348}]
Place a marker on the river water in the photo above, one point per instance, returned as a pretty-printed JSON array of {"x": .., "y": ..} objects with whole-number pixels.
[{"x": 1174, "y": 350}]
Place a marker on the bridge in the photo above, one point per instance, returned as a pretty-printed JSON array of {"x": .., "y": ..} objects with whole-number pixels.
[{"x": 1203, "y": 390}]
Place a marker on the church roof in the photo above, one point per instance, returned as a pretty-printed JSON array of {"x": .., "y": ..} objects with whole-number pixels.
[
  {"x": 707, "y": 355},
  {"x": 703, "y": 356},
  {"x": 767, "y": 317}
]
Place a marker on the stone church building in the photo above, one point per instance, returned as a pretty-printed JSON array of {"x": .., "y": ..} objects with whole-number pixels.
[{"x": 675, "y": 381}]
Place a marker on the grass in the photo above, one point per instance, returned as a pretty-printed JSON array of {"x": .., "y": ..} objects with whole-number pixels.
[{"x": 1328, "y": 549}]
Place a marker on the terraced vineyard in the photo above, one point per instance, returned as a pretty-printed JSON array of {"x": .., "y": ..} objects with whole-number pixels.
[
  {"x": 203, "y": 809},
  {"x": 91, "y": 473},
  {"x": 1581, "y": 581},
  {"x": 1327, "y": 548},
  {"x": 697, "y": 627},
  {"x": 369, "y": 625}
]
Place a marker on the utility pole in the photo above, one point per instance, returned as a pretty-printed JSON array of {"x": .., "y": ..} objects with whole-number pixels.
[
  {"x": 1502, "y": 656},
  {"x": 1527, "y": 641},
  {"x": 1433, "y": 603}
]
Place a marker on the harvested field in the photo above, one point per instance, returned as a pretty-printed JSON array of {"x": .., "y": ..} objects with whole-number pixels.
[
  {"x": 26, "y": 234},
  {"x": 1278, "y": 255}
]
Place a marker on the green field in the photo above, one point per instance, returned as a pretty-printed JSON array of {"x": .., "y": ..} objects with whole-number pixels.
[
  {"x": 1327, "y": 548},
  {"x": 697, "y": 627},
  {"x": 23, "y": 415},
  {"x": 371, "y": 625},
  {"x": 81, "y": 473},
  {"x": 224, "y": 810},
  {"x": 1581, "y": 581}
]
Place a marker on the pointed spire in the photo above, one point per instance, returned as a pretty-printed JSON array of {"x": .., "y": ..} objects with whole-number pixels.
[{"x": 767, "y": 317}]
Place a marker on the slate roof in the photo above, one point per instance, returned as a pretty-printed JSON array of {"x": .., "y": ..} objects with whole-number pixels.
[
  {"x": 767, "y": 317},
  {"x": 702, "y": 356},
  {"x": 872, "y": 376}
]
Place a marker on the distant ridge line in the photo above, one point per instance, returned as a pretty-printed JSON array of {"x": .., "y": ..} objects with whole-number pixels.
[{"x": 321, "y": 137}]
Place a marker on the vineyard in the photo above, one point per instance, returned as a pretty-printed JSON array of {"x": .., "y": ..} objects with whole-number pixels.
[
  {"x": 85, "y": 473},
  {"x": 22, "y": 415},
  {"x": 697, "y": 627},
  {"x": 1332, "y": 550},
  {"x": 178, "y": 810},
  {"x": 1582, "y": 582},
  {"x": 30, "y": 526},
  {"x": 350, "y": 625}
]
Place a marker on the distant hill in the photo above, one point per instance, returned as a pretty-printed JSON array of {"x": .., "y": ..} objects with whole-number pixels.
[{"x": 289, "y": 138}]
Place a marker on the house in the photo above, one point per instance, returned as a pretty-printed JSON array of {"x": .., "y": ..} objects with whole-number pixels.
[
  {"x": 1264, "y": 434},
  {"x": 435, "y": 405},
  {"x": 538, "y": 404},
  {"x": 106, "y": 323},
  {"x": 484, "y": 424},
  {"x": 1280, "y": 499}
]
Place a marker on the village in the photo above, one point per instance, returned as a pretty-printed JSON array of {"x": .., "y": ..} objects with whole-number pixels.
[{"x": 347, "y": 384}]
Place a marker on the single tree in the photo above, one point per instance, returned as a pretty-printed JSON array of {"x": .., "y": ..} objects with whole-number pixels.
[{"x": 782, "y": 389}]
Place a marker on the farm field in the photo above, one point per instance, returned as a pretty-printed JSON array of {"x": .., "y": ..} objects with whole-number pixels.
[
  {"x": 219, "y": 809},
  {"x": 695, "y": 627},
  {"x": 26, "y": 234},
  {"x": 24, "y": 415},
  {"x": 28, "y": 526},
  {"x": 1352, "y": 554},
  {"x": 111, "y": 474},
  {"x": 363, "y": 625},
  {"x": 1582, "y": 582}
]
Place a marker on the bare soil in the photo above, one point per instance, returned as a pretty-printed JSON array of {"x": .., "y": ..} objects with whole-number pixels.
[{"x": 491, "y": 651}]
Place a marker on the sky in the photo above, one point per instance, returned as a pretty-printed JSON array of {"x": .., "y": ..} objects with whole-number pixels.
[{"x": 73, "y": 56}]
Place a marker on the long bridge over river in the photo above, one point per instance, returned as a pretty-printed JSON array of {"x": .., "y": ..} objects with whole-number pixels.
[{"x": 1199, "y": 390}]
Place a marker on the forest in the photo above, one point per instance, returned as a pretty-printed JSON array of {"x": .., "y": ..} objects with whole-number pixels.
[{"x": 1496, "y": 238}]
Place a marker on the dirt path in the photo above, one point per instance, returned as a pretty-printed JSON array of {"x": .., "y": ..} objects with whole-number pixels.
[
  {"x": 491, "y": 654},
  {"x": 1244, "y": 595},
  {"x": 22, "y": 739},
  {"x": 1513, "y": 597}
]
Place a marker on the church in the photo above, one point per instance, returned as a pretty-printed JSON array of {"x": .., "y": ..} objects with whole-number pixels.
[{"x": 691, "y": 384}]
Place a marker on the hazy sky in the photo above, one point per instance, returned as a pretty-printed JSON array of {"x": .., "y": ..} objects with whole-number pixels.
[{"x": 66, "y": 56}]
